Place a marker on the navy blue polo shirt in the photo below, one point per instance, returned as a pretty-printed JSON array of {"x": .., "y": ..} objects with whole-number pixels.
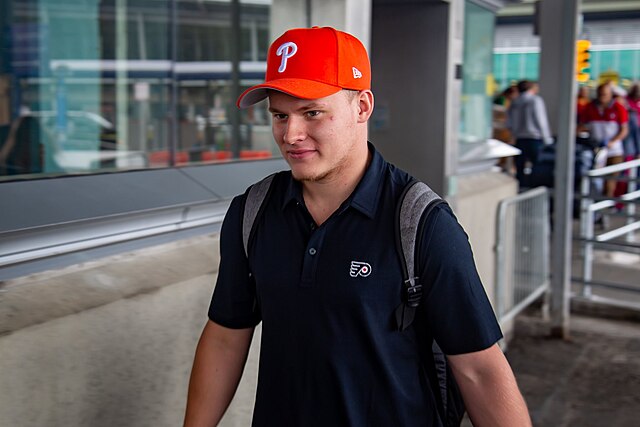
[{"x": 330, "y": 352}]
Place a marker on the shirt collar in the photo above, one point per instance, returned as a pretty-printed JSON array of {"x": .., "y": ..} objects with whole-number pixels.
[{"x": 365, "y": 197}]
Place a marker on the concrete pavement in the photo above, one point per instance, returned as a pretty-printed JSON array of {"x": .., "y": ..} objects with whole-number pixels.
[{"x": 590, "y": 380}]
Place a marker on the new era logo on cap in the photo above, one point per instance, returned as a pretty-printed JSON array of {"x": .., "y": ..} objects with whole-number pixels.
[{"x": 312, "y": 63}]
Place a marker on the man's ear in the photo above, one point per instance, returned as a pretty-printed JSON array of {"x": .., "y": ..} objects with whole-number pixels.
[{"x": 365, "y": 105}]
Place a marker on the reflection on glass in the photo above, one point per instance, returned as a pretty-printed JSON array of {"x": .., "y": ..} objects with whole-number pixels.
[
  {"x": 475, "y": 120},
  {"x": 88, "y": 87}
]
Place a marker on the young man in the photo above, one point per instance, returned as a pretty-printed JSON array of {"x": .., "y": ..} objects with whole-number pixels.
[
  {"x": 331, "y": 354},
  {"x": 527, "y": 120}
]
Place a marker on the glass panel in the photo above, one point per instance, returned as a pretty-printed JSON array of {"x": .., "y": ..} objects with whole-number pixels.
[
  {"x": 475, "y": 120},
  {"x": 70, "y": 106},
  {"x": 206, "y": 101},
  {"x": 88, "y": 86}
]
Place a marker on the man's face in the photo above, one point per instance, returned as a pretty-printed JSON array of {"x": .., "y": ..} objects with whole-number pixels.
[
  {"x": 605, "y": 95},
  {"x": 317, "y": 137}
]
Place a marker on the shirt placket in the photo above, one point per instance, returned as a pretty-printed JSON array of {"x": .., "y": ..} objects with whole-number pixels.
[{"x": 312, "y": 255}]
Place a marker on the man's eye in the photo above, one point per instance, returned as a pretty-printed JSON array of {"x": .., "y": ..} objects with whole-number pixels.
[
  {"x": 313, "y": 113},
  {"x": 279, "y": 116}
]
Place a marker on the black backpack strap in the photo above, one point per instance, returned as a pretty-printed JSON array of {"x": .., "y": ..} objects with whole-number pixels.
[
  {"x": 252, "y": 207},
  {"x": 416, "y": 202}
]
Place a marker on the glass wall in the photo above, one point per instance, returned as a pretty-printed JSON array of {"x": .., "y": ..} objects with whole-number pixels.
[
  {"x": 92, "y": 86},
  {"x": 477, "y": 77}
]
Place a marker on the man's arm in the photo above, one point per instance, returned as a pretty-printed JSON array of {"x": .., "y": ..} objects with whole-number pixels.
[
  {"x": 489, "y": 389},
  {"x": 542, "y": 119},
  {"x": 219, "y": 361},
  {"x": 622, "y": 133}
]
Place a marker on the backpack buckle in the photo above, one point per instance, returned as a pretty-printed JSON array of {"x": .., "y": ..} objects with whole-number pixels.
[{"x": 412, "y": 292}]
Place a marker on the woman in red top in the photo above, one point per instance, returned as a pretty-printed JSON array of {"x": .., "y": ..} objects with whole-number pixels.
[{"x": 584, "y": 98}]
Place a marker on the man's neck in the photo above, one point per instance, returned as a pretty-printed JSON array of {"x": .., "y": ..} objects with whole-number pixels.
[{"x": 323, "y": 198}]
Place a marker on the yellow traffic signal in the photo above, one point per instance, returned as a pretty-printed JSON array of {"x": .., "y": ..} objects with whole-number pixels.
[{"x": 583, "y": 56}]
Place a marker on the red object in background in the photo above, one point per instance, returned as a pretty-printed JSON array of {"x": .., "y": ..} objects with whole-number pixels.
[
  {"x": 217, "y": 156},
  {"x": 622, "y": 186},
  {"x": 161, "y": 158},
  {"x": 255, "y": 154}
]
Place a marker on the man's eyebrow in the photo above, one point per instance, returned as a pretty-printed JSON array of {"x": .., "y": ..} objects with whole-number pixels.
[{"x": 313, "y": 105}]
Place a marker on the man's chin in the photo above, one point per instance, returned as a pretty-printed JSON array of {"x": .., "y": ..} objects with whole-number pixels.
[{"x": 306, "y": 176}]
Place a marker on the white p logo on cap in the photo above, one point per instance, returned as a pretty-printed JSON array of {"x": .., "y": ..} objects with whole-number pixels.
[{"x": 286, "y": 50}]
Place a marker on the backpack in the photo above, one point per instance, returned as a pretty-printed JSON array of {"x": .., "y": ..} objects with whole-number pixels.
[{"x": 416, "y": 202}]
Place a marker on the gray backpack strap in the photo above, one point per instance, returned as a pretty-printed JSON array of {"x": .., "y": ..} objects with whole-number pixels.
[
  {"x": 255, "y": 197},
  {"x": 415, "y": 203}
]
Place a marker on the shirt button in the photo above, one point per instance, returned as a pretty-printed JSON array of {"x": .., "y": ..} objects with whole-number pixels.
[{"x": 312, "y": 251}]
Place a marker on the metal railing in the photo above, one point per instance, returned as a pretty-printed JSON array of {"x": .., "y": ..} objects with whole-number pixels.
[
  {"x": 522, "y": 252},
  {"x": 593, "y": 204}
]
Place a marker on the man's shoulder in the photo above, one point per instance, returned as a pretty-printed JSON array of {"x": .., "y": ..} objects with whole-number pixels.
[
  {"x": 618, "y": 108},
  {"x": 278, "y": 180},
  {"x": 538, "y": 99},
  {"x": 398, "y": 178}
]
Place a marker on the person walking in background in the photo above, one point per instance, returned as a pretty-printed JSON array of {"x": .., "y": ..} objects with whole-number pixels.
[
  {"x": 506, "y": 97},
  {"x": 606, "y": 120},
  {"x": 500, "y": 131},
  {"x": 583, "y": 99},
  {"x": 527, "y": 120},
  {"x": 322, "y": 274},
  {"x": 632, "y": 141}
]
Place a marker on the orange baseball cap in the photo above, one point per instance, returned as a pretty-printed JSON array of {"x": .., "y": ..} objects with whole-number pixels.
[{"x": 312, "y": 63}]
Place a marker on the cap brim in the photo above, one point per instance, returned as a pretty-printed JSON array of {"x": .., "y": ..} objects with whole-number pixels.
[{"x": 299, "y": 88}]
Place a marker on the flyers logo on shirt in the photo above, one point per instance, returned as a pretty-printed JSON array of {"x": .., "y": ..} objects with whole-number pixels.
[{"x": 359, "y": 268}]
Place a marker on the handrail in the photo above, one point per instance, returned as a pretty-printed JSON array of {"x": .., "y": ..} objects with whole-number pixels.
[
  {"x": 607, "y": 170},
  {"x": 587, "y": 217},
  {"x": 108, "y": 231}
]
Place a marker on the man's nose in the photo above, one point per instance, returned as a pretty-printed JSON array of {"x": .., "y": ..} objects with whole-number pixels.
[{"x": 295, "y": 130}]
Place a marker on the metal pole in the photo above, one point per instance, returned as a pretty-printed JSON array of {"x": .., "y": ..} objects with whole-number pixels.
[
  {"x": 559, "y": 27},
  {"x": 175, "y": 105},
  {"x": 586, "y": 232},
  {"x": 631, "y": 207},
  {"x": 236, "y": 46},
  {"x": 500, "y": 260}
]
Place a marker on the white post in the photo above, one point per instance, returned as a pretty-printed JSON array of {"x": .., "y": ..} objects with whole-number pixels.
[
  {"x": 631, "y": 206},
  {"x": 558, "y": 34}
]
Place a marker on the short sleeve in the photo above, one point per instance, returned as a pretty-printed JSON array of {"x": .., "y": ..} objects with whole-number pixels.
[
  {"x": 233, "y": 304},
  {"x": 457, "y": 310},
  {"x": 623, "y": 115}
]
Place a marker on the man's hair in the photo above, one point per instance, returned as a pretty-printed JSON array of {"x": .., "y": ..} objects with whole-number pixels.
[
  {"x": 606, "y": 85},
  {"x": 634, "y": 92},
  {"x": 351, "y": 94},
  {"x": 524, "y": 85}
]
